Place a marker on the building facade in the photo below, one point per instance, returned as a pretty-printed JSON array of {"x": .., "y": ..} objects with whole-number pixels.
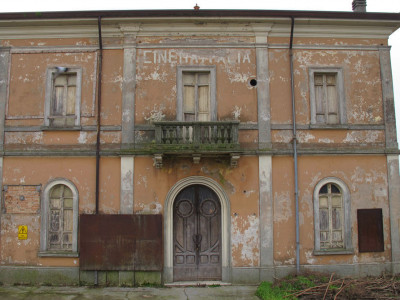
[{"x": 264, "y": 141}]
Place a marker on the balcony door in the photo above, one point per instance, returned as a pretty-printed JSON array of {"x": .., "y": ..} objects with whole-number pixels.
[
  {"x": 196, "y": 96},
  {"x": 196, "y": 93},
  {"x": 197, "y": 235}
]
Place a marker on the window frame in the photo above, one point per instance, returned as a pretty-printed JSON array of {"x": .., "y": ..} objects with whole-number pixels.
[
  {"x": 50, "y": 81},
  {"x": 347, "y": 238},
  {"x": 179, "y": 87},
  {"x": 45, "y": 199},
  {"x": 340, "y": 93}
]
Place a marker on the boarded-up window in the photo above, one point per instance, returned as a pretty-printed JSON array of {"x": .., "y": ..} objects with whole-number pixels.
[
  {"x": 196, "y": 96},
  {"x": 63, "y": 100},
  {"x": 326, "y": 98},
  {"x": 370, "y": 230},
  {"x": 331, "y": 221},
  {"x": 60, "y": 218}
]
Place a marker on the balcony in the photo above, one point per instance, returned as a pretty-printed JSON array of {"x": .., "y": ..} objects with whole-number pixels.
[{"x": 197, "y": 139}]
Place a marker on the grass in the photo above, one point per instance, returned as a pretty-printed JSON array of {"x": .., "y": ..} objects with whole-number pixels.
[
  {"x": 284, "y": 288},
  {"x": 267, "y": 290}
]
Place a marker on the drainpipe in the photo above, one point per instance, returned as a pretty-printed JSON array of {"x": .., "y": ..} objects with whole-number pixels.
[
  {"x": 296, "y": 188},
  {"x": 100, "y": 67},
  {"x": 98, "y": 115}
]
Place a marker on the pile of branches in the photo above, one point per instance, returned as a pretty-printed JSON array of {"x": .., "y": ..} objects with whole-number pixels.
[{"x": 347, "y": 288}]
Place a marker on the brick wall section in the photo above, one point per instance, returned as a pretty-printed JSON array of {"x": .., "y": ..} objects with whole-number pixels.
[{"x": 29, "y": 205}]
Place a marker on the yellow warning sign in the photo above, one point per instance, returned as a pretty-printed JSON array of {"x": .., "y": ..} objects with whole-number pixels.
[{"x": 22, "y": 232}]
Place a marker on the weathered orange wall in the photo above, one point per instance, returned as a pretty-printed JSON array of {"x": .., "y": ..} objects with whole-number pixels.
[
  {"x": 362, "y": 83},
  {"x": 366, "y": 178},
  {"x": 241, "y": 185},
  {"x": 36, "y": 171},
  {"x": 234, "y": 68}
]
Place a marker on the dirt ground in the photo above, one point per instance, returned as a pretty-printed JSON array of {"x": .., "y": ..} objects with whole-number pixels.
[{"x": 384, "y": 287}]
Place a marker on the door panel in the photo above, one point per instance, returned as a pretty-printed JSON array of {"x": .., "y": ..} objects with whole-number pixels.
[{"x": 197, "y": 235}]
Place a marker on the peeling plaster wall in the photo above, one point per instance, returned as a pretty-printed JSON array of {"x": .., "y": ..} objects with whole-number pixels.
[
  {"x": 39, "y": 171},
  {"x": 366, "y": 177},
  {"x": 362, "y": 83},
  {"x": 337, "y": 138},
  {"x": 234, "y": 69},
  {"x": 25, "y": 106},
  {"x": 111, "y": 92},
  {"x": 28, "y": 82},
  {"x": 151, "y": 187}
]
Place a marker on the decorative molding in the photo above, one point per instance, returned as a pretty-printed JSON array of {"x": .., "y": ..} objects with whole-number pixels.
[{"x": 45, "y": 128}]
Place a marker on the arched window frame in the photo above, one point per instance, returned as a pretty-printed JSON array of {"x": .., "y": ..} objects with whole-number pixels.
[
  {"x": 348, "y": 248},
  {"x": 44, "y": 251}
]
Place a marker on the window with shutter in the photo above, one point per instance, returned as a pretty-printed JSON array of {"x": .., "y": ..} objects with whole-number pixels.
[
  {"x": 63, "y": 90},
  {"x": 64, "y": 99},
  {"x": 327, "y": 97}
]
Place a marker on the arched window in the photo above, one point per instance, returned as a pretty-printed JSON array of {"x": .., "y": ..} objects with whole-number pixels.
[
  {"x": 332, "y": 218},
  {"x": 59, "y": 219}
]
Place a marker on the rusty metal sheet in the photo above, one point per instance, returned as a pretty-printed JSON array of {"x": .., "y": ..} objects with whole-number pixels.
[
  {"x": 370, "y": 230},
  {"x": 120, "y": 242}
]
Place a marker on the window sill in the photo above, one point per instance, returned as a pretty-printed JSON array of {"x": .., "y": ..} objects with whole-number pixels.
[
  {"x": 53, "y": 128},
  {"x": 57, "y": 254},
  {"x": 329, "y": 126},
  {"x": 333, "y": 252}
]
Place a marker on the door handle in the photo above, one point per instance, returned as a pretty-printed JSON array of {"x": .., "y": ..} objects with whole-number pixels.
[{"x": 197, "y": 241}]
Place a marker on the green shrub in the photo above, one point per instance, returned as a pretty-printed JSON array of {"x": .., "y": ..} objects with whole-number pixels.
[{"x": 267, "y": 290}]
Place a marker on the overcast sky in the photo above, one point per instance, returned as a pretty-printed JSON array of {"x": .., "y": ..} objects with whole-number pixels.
[{"x": 324, "y": 5}]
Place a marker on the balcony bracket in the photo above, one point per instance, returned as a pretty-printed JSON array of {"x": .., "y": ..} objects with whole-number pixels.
[
  {"x": 196, "y": 158},
  {"x": 234, "y": 160},
  {"x": 157, "y": 158}
]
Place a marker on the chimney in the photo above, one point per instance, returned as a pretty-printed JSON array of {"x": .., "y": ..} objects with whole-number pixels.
[{"x": 359, "y": 6}]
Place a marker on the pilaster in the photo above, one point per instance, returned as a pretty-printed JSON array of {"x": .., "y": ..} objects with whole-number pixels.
[
  {"x": 127, "y": 173},
  {"x": 388, "y": 99},
  {"x": 129, "y": 87},
  {"x": 394, "y": 208},
  {"x": 263, "y": 96},
  {"x": 266, "y": 218},
  {"x": 4, "y": 74}
]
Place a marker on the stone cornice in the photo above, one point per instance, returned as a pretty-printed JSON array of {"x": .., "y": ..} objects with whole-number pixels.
[{"x": 276, "y": 27}]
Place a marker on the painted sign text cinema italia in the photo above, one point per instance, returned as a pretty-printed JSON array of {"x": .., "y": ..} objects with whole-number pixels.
[{"x": 174, "y": 57}]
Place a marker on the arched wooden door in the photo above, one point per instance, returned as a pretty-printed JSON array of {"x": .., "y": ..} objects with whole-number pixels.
[{"x": 197, "y": 235}]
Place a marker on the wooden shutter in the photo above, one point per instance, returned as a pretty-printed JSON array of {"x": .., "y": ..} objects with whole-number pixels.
[
  {"x": 332, "y": 99},
  {"x": 319, "y": 98},
  {"x": 370, "y": 230},
  {"x": 60, "y": 84},
  {"x": 326, "y": 98},
  {"x": 204, "y": 97},
  {"x": 71, "y": 95},
  {"x": 189, "y": 99}
]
